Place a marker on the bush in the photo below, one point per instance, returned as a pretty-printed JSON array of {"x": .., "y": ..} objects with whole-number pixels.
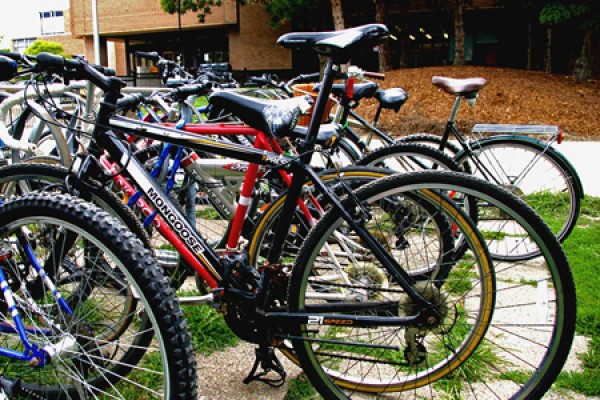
[{"x": 44, "y": 46}]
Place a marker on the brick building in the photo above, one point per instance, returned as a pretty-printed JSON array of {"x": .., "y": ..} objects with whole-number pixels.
[
  {"x": 240, "y": 35},
  {"x": 495, "y": 35}
]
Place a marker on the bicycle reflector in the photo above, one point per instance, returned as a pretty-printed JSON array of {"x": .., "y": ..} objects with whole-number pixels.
[
  {"x": 350, "y": 88},
  {"x": 8, "y": 68}
]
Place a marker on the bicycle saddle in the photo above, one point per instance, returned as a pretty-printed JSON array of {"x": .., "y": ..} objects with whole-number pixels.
[
  {"x": 391, "y": 98},
  {"x": 327, "y": 136},
  {"x": 277, "y": 117},
  {"x": 361, "y": 90},
  {"x": 336, "y": 43},
  {"x": 459, "y": 87}
]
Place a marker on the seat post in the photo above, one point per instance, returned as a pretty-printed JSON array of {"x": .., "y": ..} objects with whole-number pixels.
[
  {"x": 455, "y": 108},
  {"x": 319, "y": 109}
]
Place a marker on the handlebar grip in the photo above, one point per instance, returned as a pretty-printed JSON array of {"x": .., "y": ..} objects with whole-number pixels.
[
  {"x": 12, "y": 55},
  {"x": 191, "y": 90},
  {"x": 8, "y": 68},
  {"x": 152, "y": 55},
  {"x": 49, "y": 61},
  {"x": 105, "y": 70},
  {"x": 374, "y": 75},
  {"x": 314, "y": 77},
  {"x": 82, "y": 69},
  {"x": 130, "y": 101}
]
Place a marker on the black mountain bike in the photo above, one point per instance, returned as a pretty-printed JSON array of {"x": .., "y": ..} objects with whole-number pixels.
[{"x": 358, "y": 319}]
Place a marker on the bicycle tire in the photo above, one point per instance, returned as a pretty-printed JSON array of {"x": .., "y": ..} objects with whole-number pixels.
[
  {"x": 42, "y": 175},
  {"x": 541, "y": 176},
  {"x": 477, "y": 352},
  {"x": 354, "y": 177},
  {"x": 153, "y": 356},
  {"x": 407, "y": 157},
  {"x": 41, "y": 132},
  {"x": 432, "y": 140}
]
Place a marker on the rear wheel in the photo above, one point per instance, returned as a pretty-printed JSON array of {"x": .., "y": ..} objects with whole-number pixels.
[
  {"x": 504, "y": 328},
  {"x": 535, "y": 174},
  {"x": 419, "y": 232}
]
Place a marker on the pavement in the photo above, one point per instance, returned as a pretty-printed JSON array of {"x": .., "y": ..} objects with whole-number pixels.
[{"x": 582, "y": 154}]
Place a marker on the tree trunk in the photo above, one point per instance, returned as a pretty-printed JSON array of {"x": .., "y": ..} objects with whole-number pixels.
[
  {"x": 384, "y": 51},
  {"x": 529, "y": 40},
  {"x": 338, "y": 14},
  {"x": 583, "y": 64},
  {"x": 459, "y": 33},
  {"x": 548, "y": 58}
]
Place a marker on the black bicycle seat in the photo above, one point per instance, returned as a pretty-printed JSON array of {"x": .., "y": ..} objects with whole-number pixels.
[
  {"x": 360, "y": 91},
  {"x": 391, "y": 98},
  {"x": 275, "y": 116},
  {"x": 336, "y": 43}
]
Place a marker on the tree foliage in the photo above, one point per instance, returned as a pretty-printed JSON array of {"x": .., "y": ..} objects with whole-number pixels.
[
  {"x": 304, "y": 14},
  {"x": 201, "y": 7},
  {"x": 558, "y": 12},
  {"x": 45, "y": 46}
]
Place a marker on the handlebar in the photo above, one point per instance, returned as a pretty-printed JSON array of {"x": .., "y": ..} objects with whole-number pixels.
[
  {"x": 13, "y": 55},
  {"x": 152, "y": 55},
  {"x": 79, "y": 69}
]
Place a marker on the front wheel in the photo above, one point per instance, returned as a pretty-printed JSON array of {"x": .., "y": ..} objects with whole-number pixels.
[
  {"x": 502, "y": 330},
  {"x": 120, "y": 334}
]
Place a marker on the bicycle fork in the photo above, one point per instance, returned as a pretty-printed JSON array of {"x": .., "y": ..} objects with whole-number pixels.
[{"x": 32, "y": 353}]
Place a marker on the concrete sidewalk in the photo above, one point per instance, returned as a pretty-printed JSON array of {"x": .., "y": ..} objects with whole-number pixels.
[{"x": 585, "y": 158}]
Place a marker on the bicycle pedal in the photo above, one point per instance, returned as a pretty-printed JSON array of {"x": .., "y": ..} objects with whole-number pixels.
[{"x": 268, "y": 362}]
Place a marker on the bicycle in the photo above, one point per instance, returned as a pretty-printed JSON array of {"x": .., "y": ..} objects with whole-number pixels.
[
  {"x": 365, "y": 323},
  {"x": 526, "y": 166},
  {"x": 94, "y": 309}
]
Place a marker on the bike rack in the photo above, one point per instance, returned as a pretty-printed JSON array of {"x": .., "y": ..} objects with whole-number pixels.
[
  {"x": 553, "y": 131},
  {"x": 522, "y": 129}
]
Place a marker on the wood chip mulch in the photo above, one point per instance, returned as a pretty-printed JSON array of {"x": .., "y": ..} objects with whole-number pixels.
[{"x": 512, "y": 96}]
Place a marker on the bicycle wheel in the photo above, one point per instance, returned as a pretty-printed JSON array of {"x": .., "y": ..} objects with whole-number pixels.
[
  {"x": 504, "y": 329},
  {"x": 420, "y": 233},
  {"x": 47, "y": 175},
  {"x": 536, "y": 174},
  {"x": 409, "y": 157},
  {"x": 431, "y": 140},
  {"x": 121, "y": 333}
]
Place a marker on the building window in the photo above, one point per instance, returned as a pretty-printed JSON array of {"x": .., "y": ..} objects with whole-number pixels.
[
  {"x": 52, "y": 23},
  {"x": 21, "y": 44}
]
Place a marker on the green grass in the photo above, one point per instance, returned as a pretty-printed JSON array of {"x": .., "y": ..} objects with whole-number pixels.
[
  {"x": 583, "y": 250},
  {"x": 301, "y": 388},
  {"x": 551, "y": 206},
  {"x": 208, "y": 213},
  {"x": 209, "y": 331}
]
